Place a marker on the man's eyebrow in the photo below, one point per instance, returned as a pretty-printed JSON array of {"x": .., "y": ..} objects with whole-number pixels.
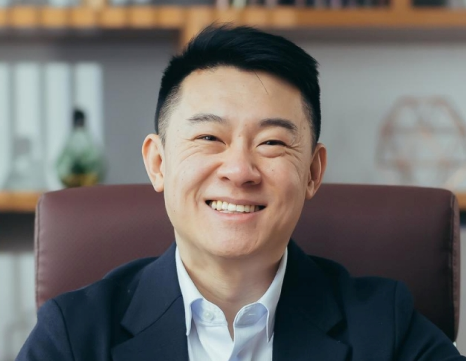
[
  {"x": 264, "y": 123},
  {"x": 279, "y": 122},
  {"x": 206, "y": 117}
]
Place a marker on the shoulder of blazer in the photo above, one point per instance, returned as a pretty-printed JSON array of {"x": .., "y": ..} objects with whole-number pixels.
[
  {"x": 356, "y": 288},
  {"x": 118, "y": 282},
  {"x": 371, "y": 307},
  {"x": 92, "y": 314},
  {"x": 122, "y": 274}
]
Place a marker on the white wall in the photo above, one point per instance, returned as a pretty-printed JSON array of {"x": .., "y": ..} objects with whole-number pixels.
[{"x": 361, "y": 83}]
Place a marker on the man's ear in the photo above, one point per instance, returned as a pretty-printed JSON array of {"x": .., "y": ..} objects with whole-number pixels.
[
  {"x": 317, "y": 170},
  {"x": 154, "y": 160}
]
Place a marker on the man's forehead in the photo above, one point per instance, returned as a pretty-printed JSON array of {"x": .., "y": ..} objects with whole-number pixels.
[
  {"x": 235, "y": 91},
  {"x": 223, "y": 74}
]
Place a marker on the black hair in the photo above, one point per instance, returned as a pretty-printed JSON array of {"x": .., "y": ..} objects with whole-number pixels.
[{"x": 248, "y": 49}]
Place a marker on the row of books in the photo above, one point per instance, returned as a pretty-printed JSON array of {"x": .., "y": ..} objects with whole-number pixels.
[
  {"x": 235, "y": 3},
  {"x": 36, "y": 101},
  {"x": 336, "y": 3},
  {"x": 218, "y": 3},
  {"x": 302, "y": 3}
]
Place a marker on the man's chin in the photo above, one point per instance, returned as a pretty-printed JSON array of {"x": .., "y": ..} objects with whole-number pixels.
[{"x": 232, "y": 249}]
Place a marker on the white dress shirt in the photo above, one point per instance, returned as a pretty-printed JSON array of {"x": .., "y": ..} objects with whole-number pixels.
[{"x": 207, "y": 327}]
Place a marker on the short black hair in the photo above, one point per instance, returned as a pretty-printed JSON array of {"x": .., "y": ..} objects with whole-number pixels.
[{"x": 248, "y": 49}]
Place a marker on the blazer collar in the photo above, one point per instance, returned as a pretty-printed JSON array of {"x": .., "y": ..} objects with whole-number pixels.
[
  {"x": 155, "y": 316},
  {"x": 306, "y": 313}
]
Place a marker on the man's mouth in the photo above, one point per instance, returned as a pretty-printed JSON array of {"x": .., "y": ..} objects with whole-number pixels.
[{"x": 234, "y": 208}]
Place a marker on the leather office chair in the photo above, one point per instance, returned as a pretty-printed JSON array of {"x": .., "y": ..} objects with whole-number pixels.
[{"x": 405, "y": 233}]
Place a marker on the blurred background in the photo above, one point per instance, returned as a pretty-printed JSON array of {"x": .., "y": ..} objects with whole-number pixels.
[{"x": 79, "y": 82}]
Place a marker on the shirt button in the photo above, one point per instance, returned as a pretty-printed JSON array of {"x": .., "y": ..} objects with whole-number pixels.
[{"x": 209, "y": 316}]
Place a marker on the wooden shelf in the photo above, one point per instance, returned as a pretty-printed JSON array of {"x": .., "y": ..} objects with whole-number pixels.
[
  {"x": 18, "y": 201},
  {"x": 188, "y": 21},
  {"x": 461, "y": 201},
  {"x": 24, "y": 17},
  {"x": 183, "y": 18},
  {"x": 26, "y": 201}
]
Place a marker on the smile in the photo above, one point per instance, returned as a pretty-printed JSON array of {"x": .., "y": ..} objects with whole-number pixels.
[{"x": 234, "y": 208}]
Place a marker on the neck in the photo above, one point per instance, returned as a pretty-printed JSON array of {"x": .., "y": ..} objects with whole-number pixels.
[{"x": 229, "y": 283}]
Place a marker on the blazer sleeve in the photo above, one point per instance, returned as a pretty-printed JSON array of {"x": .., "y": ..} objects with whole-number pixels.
[
  {"x": 416, "y": 338},
  {"x": 49, "y": 339}
]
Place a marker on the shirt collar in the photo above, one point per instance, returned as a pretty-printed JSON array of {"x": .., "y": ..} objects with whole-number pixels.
[
  {"x": 272, "y": 295},
  {"x": 269, "y": 299},
  {"x": 189, "y": 291}
]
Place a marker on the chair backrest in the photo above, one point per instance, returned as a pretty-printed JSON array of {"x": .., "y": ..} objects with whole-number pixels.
[{"x": 405, "y": 233}]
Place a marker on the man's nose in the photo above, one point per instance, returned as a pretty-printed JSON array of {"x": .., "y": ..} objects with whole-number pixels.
[{"x": 239, "y": 167}]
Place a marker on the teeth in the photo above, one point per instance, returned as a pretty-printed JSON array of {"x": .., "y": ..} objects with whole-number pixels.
[{"x": 230, "y": 207}]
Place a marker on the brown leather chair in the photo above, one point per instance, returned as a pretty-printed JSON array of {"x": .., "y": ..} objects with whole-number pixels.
[{"x": 405, "y": 233}]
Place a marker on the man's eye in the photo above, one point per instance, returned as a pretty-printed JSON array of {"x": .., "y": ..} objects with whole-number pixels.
[
  {"x": 274, "y": 142},
  {"x": 209, "y": 138}
]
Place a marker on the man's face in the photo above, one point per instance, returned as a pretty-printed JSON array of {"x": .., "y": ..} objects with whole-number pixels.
[{"x": 241, "y": 141}]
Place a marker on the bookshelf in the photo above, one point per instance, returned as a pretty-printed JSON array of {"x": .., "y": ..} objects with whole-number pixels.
[{"x": 189, "y": 20}]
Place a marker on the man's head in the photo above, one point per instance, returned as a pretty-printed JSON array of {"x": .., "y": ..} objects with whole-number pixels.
[
  {"x": 246, "y": 49},
  {"x": 236, "y": 156}
]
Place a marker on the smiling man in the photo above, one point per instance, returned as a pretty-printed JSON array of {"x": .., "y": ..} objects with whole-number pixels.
[{"x": 236, "y": 154}]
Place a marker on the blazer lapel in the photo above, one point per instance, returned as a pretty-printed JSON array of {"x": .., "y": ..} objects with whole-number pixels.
[
  {"x": 155, "y": 316},
  {"x": 306, "y": 313}
]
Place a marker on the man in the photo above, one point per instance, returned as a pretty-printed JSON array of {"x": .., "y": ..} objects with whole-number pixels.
[{"x": 236, "y": 154}]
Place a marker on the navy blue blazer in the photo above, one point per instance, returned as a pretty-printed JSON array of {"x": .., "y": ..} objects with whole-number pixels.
[{"x": 136, "y": 313}]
